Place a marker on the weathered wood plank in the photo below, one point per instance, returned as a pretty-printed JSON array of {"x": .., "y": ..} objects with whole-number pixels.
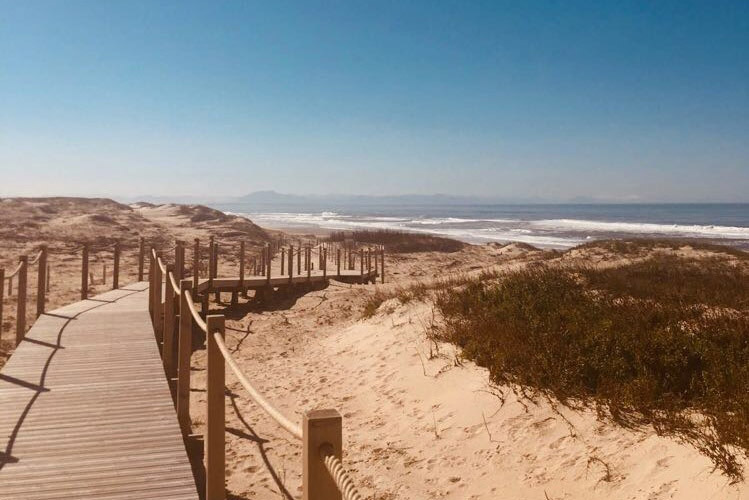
[{"x": 85, "y": 409}]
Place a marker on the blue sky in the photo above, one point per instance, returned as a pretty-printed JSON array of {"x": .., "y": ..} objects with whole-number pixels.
[{"x": 611, "y": 101}]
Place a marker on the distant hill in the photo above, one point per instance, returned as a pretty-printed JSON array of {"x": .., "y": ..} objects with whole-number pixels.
[{"x": 274, "y": 198}]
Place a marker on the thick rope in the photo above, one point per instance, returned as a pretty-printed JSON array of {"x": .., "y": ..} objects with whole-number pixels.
[
  {"x": 175, "y": 286},
  {"x": 15, "y": 271},
  {"x": 342, "y": 479},
  {"x": 36, "y": 259},
  {"x": 194, "y": 312},
  {"x": 292, "y": 428},
  {"x": 161, "y": 266}
]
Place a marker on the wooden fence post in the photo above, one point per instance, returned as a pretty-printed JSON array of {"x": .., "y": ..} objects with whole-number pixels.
[
  {"x": 299, "y": 259},
  {"x": 116, "y": 269},
  {"x": 21, "y": 295},
  {"x": 291, "y": 263},
  {"x": 41, "y": 283},
  {"x": 196, "y": 267},
  {"x": 325, "y": 263},
  {"x": 84, "y": 273},
  {"x": 369, "y": 264},
  {"x": 141, "y": 257},
  {"x": 2, "y": 291},
  {"x": 361, "y": 261},
  {"x": 338, "y": 261},
  {"x": 184, "y": 352},
  {"x": 158, "y": 309},
  {"x": 241, "y": 266},
  {"x": 151, "y": 285},
  {"x": 215, "y": 487},
  {"x": 283, "y": 264},
  {"x": 308, "y": 251},
  {"x": 179, "y": 261},
  {"x": 268, "y": 260},
  {"x": 167, "y": 352},
  {"x": 322, "y": 435},
  {"x": 215, "y": 270},
  {"x": 382, "y": 264}
]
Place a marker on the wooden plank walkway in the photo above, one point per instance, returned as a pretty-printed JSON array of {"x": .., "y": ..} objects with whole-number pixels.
[
  {"x": 254, "y": 282},
  {"x": 85, "y": 409}
]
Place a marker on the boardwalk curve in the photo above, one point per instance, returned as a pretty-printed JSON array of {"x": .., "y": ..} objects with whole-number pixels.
[{"x": 85, "y": 408}]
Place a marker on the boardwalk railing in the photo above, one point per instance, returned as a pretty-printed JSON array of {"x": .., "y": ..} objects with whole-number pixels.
[
  {"x": 43, "y": 279},
  {"x": 323, "y": 475}
]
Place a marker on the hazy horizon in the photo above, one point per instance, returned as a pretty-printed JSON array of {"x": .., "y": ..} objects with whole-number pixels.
[{"x": 646, "y": 102}]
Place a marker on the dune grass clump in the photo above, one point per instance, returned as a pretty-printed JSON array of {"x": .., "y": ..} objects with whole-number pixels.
[
  {"x": 634, "y": 246},
  {"x": 401, "y": 241},
  {"x": 650, "y": 343}
]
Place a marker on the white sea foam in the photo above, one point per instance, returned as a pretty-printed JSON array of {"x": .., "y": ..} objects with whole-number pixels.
[
  {"x": 644, "y": 228},
  {"x": 556, "y": 233}
]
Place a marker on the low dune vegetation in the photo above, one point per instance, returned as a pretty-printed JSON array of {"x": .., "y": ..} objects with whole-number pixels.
[
  {"x": 661, "y": 342},
  {"x": 401, "y": 241}
]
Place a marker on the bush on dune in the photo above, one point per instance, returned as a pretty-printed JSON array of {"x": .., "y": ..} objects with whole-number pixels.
[{"x": 649, "y": 343}]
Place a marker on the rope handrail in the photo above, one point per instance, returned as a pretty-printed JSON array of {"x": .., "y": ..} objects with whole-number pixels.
[
  {"x": 292, "y": 428},
  {"x": 15, "y": 271},
  {"x": 195, "y": 314},
  {"x": 36, "y": 259},
  {"x": 342, "y": 480},
  {"x": 175, "y": 286},
  {"x": 161, "y": 266}
]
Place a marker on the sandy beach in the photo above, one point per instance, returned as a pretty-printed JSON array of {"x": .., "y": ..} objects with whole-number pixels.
[{"x": 419, "y": 421}]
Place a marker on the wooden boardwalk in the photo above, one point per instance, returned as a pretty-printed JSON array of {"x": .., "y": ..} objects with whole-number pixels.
[
  {"x": 85, "y": 409},
  {"x": 259, "y": 282}
]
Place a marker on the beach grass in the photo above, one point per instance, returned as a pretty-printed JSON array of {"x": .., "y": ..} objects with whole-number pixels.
[
  {"x": 400, "y": 241},
  {"x": 664, "y": 342}
]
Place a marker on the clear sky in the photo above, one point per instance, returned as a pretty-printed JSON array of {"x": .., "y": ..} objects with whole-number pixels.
[{"x": 615, "y": 101}]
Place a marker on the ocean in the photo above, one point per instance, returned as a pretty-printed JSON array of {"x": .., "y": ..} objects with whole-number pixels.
[{"x": 546, "y": 226}]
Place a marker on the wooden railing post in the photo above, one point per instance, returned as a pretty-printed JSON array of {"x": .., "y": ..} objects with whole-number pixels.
[
  {"x": 41, "y": 283},
  {"x": 84, "y": 273},
  {"x": 338, "y": 261},
  {"x": 184, "y": 352},
  {"x": 158, "y": 308},
  {"x": 195, "y": 267},
  {"x": 299, "y": 259},
  {"x": 361, "y": 261},
  {"x": 369, "y": 264},
  {"x": 268, "y": 260},
  {"x": 151, "y": 286},
  {"x": 215, "y": 487},
  {"x": 2, "y": 292},
  {"x": 116, "y": 269},
  {"x": 325, "y": 263},
  {"x": 141, "y": 257},
  {"x": 291, "y": 263},
  {"x": 241, "y": 265},
  {"x": 382, "y": 264},
  {"x": 167, "y": 352},
  {"x": 179, "y": 261},
  {"x": 283, "y": 264},
  {"x": 308, "y": 250},
  {"x": 215, "y": 270},
  {"x": 21, "y": 295},
  {"x": 322, "y": 435},
  {"x": 211, "y": 250}
]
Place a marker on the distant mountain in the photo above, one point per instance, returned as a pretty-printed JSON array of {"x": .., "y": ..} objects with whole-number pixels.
[{"x": 274, "y": 198}]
